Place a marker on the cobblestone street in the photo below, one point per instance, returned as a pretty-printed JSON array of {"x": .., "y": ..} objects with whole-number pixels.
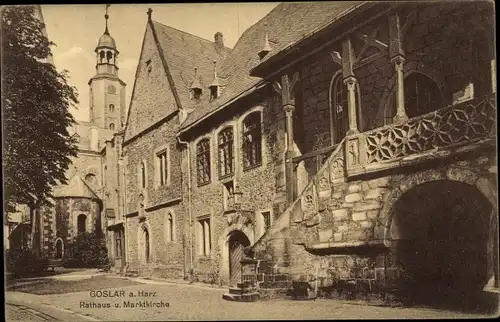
[{"x": 193, "y": 302}]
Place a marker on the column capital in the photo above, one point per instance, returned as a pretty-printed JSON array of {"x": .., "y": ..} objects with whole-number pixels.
[
  {"x": 398, "y": 62},
  {"x": 289, "y": 108},
  {"x": 350, "y": 81}
]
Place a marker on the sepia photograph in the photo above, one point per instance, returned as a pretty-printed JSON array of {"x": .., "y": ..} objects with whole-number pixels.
[{"x": 250, "y": 161}]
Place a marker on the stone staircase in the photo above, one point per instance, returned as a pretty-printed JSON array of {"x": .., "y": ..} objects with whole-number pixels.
[{"x": 243, "y": 292}]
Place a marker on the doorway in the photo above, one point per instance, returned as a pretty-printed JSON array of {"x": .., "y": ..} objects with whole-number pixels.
[
  {"x": 237, "y": 242},
  {"x": 59, "y": 248}
]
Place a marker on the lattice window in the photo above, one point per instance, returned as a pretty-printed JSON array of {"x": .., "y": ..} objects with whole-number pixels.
[
  {"x": 252, "y": 138},
  {"x": 340, "y": 109},
  {"x": 203, "y": 161},
  {"x": 422, "y": 95},
  {"x": 226, "y": 152}
]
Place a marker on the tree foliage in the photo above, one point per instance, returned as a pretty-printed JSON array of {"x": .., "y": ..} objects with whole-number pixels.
[
  {"x": 35, "y": 111},
  {"x": 89, "y": 250}
]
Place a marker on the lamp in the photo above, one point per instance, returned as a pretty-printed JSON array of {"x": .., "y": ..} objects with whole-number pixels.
[{"x": 237, "y": 198}]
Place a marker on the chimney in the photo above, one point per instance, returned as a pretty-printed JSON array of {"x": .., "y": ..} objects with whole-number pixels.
[{"x": 219, "y": 40}]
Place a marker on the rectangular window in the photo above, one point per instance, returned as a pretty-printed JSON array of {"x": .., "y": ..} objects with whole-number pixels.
[
  {"x": 226, "y": 155},
  {"x": 203, "y": 161},
  {"x": 266, "y": 216},
  {"x": 162, "y": 163},
  {"x": 204, "y": 237},
  {"x": 252, "y": 141}
]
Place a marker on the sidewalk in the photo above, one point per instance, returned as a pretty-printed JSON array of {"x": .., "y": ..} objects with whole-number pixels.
[
  {"x": 39, "y": 304},
  {"x": 163, "y": 281}
]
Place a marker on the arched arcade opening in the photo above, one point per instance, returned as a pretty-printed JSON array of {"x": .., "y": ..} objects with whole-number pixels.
[{"x": 443, "y": 235}]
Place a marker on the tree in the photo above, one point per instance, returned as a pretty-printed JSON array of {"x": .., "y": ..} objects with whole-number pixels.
[{"x": 35, "y": 111}]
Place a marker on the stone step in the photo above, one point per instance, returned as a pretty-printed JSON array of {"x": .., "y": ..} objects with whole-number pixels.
[
  {"x": 239, "y": 291},
  {"x": 243, "y": 285},
  {"x": 249, "y": 297}
]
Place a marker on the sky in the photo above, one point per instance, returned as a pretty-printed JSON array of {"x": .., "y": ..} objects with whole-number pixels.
[{"x": 75, "y": 29}]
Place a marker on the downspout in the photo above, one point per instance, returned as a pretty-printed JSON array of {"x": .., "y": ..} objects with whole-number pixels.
[{"x": 190, "y": 212}]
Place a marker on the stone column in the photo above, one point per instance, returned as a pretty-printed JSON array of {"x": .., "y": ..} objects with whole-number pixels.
[
  {"x": 286, "y": 90},
  {"x": 351, "y": 102},
  {"x": 290, "y": 153},
  {"x": 398, "y": 62},
  {"x": 348, "y": 60},
  {"x": 397, "y": 57}
]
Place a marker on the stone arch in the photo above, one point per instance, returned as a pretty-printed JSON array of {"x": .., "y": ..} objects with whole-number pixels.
[
  {"x": 223, "y": 244},
  {"x": 59, "y": 250},
  {"x": 452, "y": 173},
  {"x": 410, "y": 67},
  {"x": 483, "y": 201},
  {"x": 145, "y": 249}
]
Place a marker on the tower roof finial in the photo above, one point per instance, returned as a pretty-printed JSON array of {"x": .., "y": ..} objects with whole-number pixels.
[
  {"x": 215, "y": 82},
  {"x": 106, "y": 16},
  {"x": 149, "y": 12}
]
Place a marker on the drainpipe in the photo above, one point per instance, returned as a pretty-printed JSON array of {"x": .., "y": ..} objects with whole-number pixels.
[{"x": 190, "y": 212}]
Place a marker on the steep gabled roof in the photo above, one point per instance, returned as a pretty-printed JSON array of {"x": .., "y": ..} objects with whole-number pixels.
[
  {"x": 179, "y": 54},
  {"x": 286, "y": 25},
  {"x": 76, "y": 188},
  {"x": 183, "y": 52}
]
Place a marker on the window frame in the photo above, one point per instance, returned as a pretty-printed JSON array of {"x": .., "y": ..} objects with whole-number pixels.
[
  {"x": 340, "y": 124},
  {"x": 430, "y": 83},
  {"x": 226, "y": 146},
  {"x": 142, "y": 175},
  {"x": 204, "y": 248},
  {"x": 169, "y": 228},
  {"x": 78, "y": 230},
  {"x": 254, "y": 147},
  {"x": 111, "y": 108},
  {"x": 162, "y": 173},
  {"x": 203, "y": 162},
  {"x": 147, "y": 244}
]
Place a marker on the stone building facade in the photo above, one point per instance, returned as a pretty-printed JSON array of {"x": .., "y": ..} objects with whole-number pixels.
[
  {"x": 338, "y": 143},
  {"x": 156, "y": 219},
  {"x": 337, "y": 211}
]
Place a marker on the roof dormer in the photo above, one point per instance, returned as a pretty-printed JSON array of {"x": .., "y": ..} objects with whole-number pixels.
[{"x": 196, "y": 87}]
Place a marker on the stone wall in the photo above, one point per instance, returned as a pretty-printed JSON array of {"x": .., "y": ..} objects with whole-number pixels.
[
  {"x": 61, "y": 220},
  {"x": 350, "y": 247},
  {"x": 168, "y": 259},
  {"x": 159, "y": 201},
  {"x": 430, "y": 49},
  {"x": 259, "y": 193},
  {"x": 152, "y": 125},
  {"x": 152, "y": 98}
]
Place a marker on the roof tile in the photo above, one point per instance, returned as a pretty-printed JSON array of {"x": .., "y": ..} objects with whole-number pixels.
[{"x": 286, "y": 24}]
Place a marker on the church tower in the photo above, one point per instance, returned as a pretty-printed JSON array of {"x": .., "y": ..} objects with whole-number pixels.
[{"x": 106, "y": 89}]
